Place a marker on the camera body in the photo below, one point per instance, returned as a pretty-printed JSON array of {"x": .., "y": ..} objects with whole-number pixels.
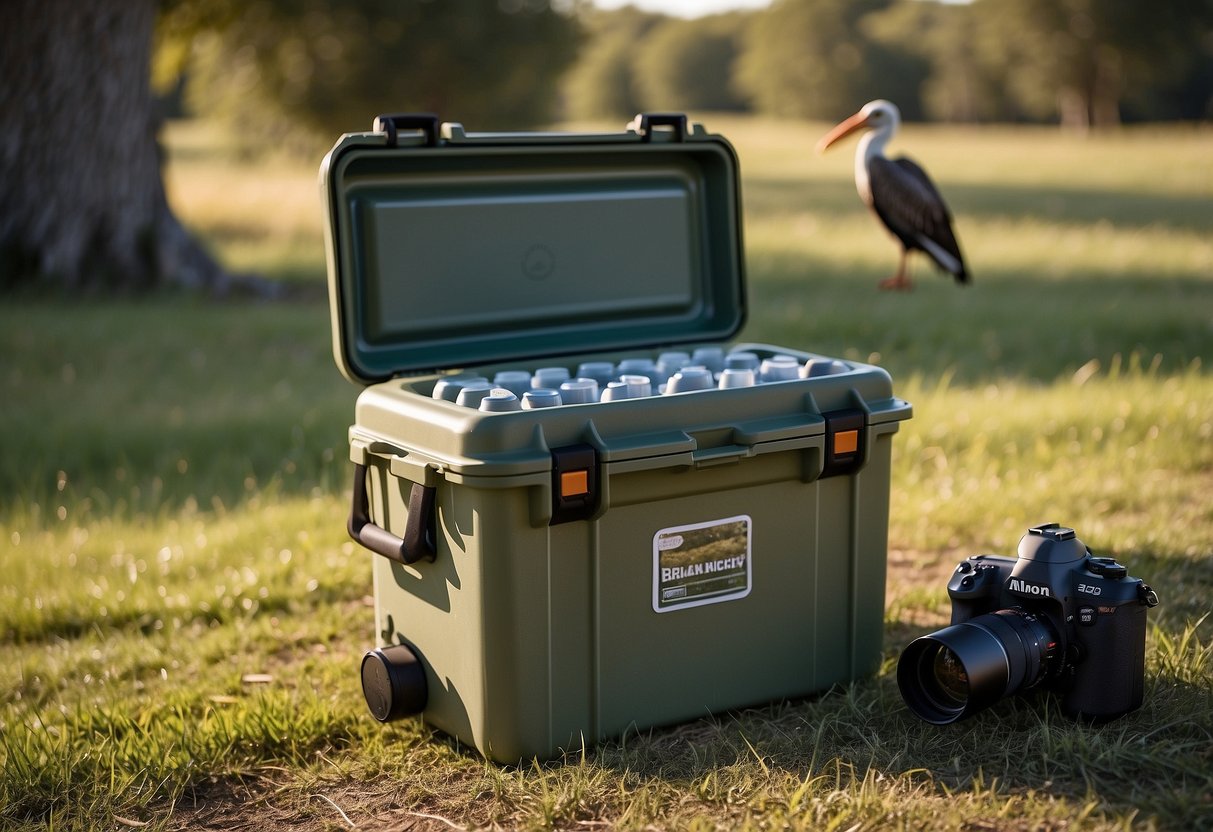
[{"x": 1053, "y": 616}]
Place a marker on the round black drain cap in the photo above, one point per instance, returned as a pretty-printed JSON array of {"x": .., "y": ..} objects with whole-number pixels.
[{"x": 393, "y": 682}]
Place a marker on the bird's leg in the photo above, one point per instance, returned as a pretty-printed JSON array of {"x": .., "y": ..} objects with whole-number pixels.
[{"x": 900, "y": 280}]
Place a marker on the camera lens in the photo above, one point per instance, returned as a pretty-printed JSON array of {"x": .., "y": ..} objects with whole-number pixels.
[
  {"x": 948, "y": 677},
  {"x": 959, "y": 670}
]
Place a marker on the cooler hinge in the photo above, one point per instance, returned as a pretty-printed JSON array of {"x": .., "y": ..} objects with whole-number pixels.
[
  {"x": 575, "y": 484},
  {"x": 846, "y": 441},
  {"x": 391, "y": 124},
  {"x": 644, "y": 123}
]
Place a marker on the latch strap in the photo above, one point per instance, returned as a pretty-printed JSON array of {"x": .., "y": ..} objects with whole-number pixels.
[
  {"x": 575, "y": 485},
  {"x": 846, "y": 442}
]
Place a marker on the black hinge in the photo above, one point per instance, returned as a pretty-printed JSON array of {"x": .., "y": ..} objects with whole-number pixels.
[
  {"x": 645, "y": 122},
  {"x": 392, "y": 123},
  {"x": 574, "y": 483},
  {"x": 846, "y": 442}
]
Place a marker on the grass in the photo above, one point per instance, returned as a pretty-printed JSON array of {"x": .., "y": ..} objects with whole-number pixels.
[{"x": 181, "y": 612}]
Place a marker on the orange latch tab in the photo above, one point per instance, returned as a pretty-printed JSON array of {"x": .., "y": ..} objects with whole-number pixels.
[
  {"x": 846, "y": 442},
  {"x": 574, "y": 483}
]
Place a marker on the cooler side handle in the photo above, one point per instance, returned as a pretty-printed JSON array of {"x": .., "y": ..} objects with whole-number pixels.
[{"x": 418, "y": 541}]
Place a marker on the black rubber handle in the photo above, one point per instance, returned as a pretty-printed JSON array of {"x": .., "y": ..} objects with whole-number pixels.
[{"x": 418, "y": 541}]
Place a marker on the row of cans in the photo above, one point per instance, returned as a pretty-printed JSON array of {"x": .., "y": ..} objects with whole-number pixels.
[{"x": 671, "y": 373}]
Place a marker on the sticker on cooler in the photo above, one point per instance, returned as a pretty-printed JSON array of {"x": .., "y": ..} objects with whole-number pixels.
[{"x": 702, "y": 563}]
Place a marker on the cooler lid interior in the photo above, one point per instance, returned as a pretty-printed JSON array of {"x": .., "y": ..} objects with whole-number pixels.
[{"x": 449, "y": 249}]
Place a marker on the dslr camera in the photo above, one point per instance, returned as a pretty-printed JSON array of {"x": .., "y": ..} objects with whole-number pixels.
[{"x": 1053, "y": 617}]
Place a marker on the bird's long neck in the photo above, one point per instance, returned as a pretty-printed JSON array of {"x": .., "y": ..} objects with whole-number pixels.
[{"x": 870, "y": 146}]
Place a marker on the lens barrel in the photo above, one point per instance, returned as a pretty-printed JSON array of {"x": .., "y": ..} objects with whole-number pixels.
[{"x": 955, "y": 672}]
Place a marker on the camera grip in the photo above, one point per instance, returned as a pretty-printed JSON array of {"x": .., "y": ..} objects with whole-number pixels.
[{"x": 1108, "y": 679}]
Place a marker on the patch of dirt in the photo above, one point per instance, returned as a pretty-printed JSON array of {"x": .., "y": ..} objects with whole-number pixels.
[
  {"x": 233, "y": 806},
  {"x": 263, "y": 804}
]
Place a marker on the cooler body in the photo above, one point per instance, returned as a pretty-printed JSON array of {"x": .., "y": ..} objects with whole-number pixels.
[
  {"x": 555, "y": 576},
  {"x": 728, "y": 558}
]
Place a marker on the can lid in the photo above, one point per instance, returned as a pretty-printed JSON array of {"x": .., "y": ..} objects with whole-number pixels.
[{"x": 453, "y": 249}]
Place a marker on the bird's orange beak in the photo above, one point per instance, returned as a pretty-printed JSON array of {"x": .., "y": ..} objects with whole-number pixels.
[{"x": 841, "y": 131}]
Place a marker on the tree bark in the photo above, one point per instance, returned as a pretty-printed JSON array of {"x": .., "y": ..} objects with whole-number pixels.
[
  {"x": 82, "y": 202},
  {"x": 1107, "y": 88},
  {"x": 1073, "y": 106}
]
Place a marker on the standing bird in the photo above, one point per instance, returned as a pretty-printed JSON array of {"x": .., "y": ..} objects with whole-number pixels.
[{"x": 900, "y": 192}]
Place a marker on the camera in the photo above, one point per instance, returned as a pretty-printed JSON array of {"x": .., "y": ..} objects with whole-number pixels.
[{"x": 1054, "y": 617}]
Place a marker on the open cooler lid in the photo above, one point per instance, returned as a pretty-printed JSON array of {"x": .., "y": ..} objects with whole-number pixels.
[{"x": 449, "y": 249}]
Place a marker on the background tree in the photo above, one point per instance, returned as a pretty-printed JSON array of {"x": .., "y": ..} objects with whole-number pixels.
[
  {"x": 689, "y": 64},
  {"x": 604, "y": 83},
  {"x": 1082, "y": 58},
  {"x": 809, "y": 59},
  {"x": 954, "y": 78},
  {"x": 80, "y": 185},
  {"x": 81, "y": 199},
  {"x": 290, "y": 72},
  {"x": 1186, "y": 94}
]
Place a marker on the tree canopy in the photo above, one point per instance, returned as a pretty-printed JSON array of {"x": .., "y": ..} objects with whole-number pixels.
[
  {"x": 322, "y": 67},
  {"x": 291, "y": 68},
  {"x": 1078, "y": 62}
]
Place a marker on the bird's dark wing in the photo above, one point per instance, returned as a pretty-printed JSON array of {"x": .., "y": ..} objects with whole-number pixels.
[{"x": 906, "y": 201}]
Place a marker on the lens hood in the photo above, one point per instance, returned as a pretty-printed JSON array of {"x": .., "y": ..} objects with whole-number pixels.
[{"x": 955, "y": 672}]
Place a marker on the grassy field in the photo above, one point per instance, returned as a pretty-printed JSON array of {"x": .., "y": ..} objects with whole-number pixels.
[{"x": 182, "y": 614}]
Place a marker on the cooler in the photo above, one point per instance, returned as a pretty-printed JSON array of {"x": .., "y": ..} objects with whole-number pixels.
[{"x": 548, "y": 575}]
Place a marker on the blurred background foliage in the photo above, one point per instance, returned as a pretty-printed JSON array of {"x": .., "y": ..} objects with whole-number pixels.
[
  {"x": 297, "y": 72},
  {"x": 288, "y": 71}
]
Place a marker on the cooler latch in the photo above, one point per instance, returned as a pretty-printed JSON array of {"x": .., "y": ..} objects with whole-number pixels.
[
  {"x": 574, "y": 483},
  {"x": 846, "y": 437}
]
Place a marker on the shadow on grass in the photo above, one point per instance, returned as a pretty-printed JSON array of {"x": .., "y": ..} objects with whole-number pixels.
[
  {"x": 140, "y": 406},
  {"x": 1003, "y": 326}
]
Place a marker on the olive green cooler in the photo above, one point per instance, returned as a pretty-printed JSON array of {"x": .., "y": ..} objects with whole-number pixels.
[{"x": 548, "y": 578}]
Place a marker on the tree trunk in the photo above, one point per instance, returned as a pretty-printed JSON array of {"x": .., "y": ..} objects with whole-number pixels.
[
  {"x": 1105, "y": 94},
  {"x": 1073, "y": 106},
  {"x": 82, "y": 203}
]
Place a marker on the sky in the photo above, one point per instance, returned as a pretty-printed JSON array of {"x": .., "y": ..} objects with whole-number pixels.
[
  {"x": 694, "y": 8},
  {"x": 685, "y": 8}
]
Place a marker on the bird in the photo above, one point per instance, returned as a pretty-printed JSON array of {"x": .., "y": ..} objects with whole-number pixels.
[{"x": 900, "y": 193}]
